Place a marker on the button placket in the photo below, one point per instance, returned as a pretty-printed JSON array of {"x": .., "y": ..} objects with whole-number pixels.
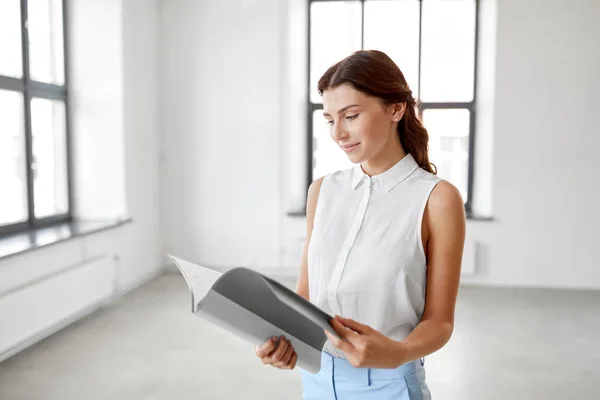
[{"x": 338, "y": 271}]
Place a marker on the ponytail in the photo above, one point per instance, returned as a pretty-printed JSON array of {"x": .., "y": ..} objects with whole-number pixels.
[{"x": 414, "y": 137}]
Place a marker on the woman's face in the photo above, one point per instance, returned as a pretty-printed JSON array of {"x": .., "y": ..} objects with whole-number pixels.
[{"x": 360, "y": 124}]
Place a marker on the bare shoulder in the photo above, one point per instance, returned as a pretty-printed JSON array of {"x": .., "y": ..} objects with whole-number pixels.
[
  {"x": 315, "y": 186},
  {"x": 313, "y": 195},
  {"x": 444, "y": 212},
  {"x": 445, "y": 198}
]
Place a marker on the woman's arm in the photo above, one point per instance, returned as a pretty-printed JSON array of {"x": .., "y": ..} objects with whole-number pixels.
[
  {"x": 311, "y": 204},
  {"x": 445, "y": 229}
]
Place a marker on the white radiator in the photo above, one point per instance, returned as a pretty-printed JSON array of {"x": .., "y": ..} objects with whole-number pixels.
[{"x": 469, "y": 261}]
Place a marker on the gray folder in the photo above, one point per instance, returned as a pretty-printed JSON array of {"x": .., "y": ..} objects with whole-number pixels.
[{"x": 255, "y": 308}]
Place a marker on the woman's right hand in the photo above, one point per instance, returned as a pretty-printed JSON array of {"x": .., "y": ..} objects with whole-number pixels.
[{"x": 279, "y": 354}]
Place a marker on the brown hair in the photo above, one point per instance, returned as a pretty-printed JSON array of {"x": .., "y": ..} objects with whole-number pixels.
[{"x": 375, "y": 74}]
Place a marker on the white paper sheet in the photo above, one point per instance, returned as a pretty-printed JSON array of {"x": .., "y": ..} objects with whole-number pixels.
[{"x": 200, "y": 279}]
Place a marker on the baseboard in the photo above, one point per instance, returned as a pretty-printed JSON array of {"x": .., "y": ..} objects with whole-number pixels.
[
  {"x": 527, "y": 286},
  {"x": 277, "y": 273},
  {"x": 155, "y": 274},
  {"x": 170, "y": 268}
]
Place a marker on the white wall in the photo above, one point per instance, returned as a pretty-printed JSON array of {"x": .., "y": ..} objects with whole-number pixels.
[
  {"x": 221, "y": 90},
  {"x": 537, "y": 134},
  {"x": 115, "y": 114},
  {"x": 545, "y": 185},
  {"x": 115, "y": 132},
  {"x": 141, "y": 95}
]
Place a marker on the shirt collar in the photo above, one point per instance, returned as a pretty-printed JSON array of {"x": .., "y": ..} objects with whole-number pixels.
[{"x": 388, "y": 179}]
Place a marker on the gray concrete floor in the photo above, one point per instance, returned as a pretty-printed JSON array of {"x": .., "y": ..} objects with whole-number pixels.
[{"x": 508, "y": 344}]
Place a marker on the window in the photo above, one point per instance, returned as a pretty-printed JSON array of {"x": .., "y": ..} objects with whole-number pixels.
[
  {"x": 34, "y": 157},
  {"x": 434, "y": 44}
]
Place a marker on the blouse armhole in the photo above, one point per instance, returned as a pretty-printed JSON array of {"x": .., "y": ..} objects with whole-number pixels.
[
  {"x": 421, "y": 217},
  {"x": 312, "y": 201}
]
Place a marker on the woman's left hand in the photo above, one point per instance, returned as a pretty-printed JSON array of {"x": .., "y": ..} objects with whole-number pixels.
[{"x": 364, "y": 346}]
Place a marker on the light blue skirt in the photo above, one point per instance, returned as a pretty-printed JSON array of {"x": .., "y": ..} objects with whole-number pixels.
[{"x": 338, "y": 380}]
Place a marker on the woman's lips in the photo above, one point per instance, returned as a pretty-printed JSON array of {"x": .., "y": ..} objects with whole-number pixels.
[{"x": 350, "y": 147}]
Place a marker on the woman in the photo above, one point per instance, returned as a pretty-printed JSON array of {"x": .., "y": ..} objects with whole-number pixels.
[{"x": 384, "y": 242}]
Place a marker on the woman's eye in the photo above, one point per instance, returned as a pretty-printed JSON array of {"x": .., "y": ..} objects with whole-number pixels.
[
  {"x": 351, "y": 117},
  {"x": 329, "y": 122}
]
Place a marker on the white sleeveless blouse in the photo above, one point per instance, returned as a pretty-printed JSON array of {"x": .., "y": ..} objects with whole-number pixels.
[{"x": 365, "y": 257}]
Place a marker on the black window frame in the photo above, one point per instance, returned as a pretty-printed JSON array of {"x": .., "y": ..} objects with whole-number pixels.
[
  {"x": 40, "y": 90},
  {"x": 470, "y": 106}
]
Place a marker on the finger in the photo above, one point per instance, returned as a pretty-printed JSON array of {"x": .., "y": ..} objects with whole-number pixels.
[
  {"x": 266, "y": 348},
  {"x": 349, "y": 335},
  {"x": 281, "y": 348},
  {"x": 340, "y": 329},
  {"x": 338, "y": 343},
  {"x": 352, "y": 324},
  {"x": 285, "y": 359},
  {"x": 288, "y": 354},
  {"x": 271, "y": 342},
  {"x": 344, "y": 331},
  {"x": 293, "y": 361}
]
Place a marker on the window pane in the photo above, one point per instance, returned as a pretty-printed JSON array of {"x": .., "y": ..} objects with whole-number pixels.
[
  {"x": 335, "y": 32},
  {"x": 327, "y": 155},
  {"x": 46, "y": 53},
  {"x": 13, "y": 177},
  {"x": 448, "y": 50},
  {"x": 393, "y": 27},
  {"x": 50, "y": 157},
  {"x": 449, "y": 145},
  {"x": 11, "y": 57}
]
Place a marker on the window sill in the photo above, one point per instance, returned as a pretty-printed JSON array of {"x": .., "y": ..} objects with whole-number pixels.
[
  {"x": 298, "y": 213},
  {"x": 479, "y": 218},
  {"x": 34, "y": 239}
]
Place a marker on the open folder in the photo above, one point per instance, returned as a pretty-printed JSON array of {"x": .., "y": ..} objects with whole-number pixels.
[{"x": 255, "y": 308}]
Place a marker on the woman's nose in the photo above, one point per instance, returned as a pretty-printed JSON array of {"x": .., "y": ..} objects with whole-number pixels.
[{"x": 339, "y": 132}]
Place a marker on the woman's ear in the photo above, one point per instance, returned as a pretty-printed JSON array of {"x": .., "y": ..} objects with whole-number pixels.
[{"x": 398, "y": 111}]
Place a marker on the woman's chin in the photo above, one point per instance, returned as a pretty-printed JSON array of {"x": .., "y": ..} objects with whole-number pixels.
[{"x": 355, "y": 158}]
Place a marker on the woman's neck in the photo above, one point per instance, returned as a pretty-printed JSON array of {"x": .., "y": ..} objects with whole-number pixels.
[{"x": 384, "y": 160}]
